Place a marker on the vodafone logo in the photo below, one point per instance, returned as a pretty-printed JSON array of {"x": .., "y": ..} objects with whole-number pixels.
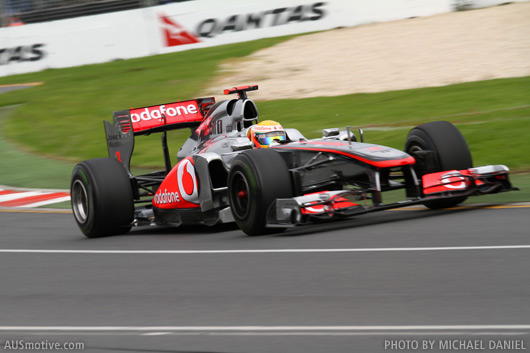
[
  {"x": 187, "y": 181},
  {"x": 180, "y": 188},
  {"x": 163, "y": 198},
  {"x": 267, "y": 128},
  {"x": 174, "y": 34},
  {"x": 158, "y": 112}
]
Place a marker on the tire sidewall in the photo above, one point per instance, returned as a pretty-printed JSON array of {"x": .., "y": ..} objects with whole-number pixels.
[
  {"x": 82, "y": 174},
  {"x": 254, "y": 196},
  {"x": 451, "y": 152},
  {"x": 418, "y": 138},
  {"x": 450, "y": 146},
  {"x": 267, "y": 178},
  {"x": 110, "y": 201}
]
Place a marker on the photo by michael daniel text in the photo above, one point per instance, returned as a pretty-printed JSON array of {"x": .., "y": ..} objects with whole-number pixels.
[{"x": 458, "y": 345}]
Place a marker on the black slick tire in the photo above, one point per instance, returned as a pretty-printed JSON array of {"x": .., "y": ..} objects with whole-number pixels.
[
  {"x": 257, "y": 178},
  {"x": 102, "y": 197},
  {"x": 450, "y": 152}
]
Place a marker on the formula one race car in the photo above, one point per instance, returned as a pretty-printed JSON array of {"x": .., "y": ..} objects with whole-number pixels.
[{"x": 222, "y": 176}]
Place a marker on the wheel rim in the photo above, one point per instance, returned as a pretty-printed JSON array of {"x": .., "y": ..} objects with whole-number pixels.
[
  {"x": 80, "y": 201},
  {"x": 240, "y": 195},
  {"x": 414, "y": 148}
]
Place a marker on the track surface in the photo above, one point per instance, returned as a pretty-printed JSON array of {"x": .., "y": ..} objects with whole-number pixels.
[{"x": 256, "y": 302}]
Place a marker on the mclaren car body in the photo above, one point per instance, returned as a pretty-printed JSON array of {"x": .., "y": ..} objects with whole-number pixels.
[{"x": 219, "y": 176}]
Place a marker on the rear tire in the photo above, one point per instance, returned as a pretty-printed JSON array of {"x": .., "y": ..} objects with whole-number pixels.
[
  {"x": 257, "y": 178},
  {"x": 450, "y": 152},
  {"x": 102, "y": 197}
]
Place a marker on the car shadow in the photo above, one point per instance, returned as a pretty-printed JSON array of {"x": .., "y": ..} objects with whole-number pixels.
[
  {"x": 375, "y": 218},
  {"x": 364, "y": 220},
  {"x": 183, "y": 230}
]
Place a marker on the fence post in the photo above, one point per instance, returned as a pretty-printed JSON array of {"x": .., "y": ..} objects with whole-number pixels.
[
  {"x": 2, "y": 13},
  {"x": 147, "y": 3}
]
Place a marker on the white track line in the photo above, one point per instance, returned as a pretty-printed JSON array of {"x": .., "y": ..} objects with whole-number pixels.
[
  {"x": 15, "y": 194},
  {"x": 257, "y": 251},
  {"x": 327, "y": 333},
  {"x": 266, "y": 328},
  {"x": 12, "y": 188},
  {"x": 19, "y": 195}
]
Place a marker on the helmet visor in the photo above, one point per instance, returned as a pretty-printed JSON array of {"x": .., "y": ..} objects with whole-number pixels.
[{"x": 267, "y": 137}]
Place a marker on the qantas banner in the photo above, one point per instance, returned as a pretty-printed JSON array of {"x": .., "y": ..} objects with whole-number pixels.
[
  {"x": 230, "y": 21},
  {"x": 189, "y": 25}
]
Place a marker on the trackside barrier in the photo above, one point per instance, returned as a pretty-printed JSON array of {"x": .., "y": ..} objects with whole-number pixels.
[{"x": 190, "y": 25}]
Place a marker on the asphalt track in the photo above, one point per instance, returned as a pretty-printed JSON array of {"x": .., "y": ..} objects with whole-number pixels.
[{"x": 348, "y": 286}]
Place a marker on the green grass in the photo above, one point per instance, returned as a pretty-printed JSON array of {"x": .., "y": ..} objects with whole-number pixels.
[
  {"x": 62, "y": 119},
  {"x": 521, "y": 181},
  {"x": 494, "y": 116},
  {"x": 22, "y": 169}
]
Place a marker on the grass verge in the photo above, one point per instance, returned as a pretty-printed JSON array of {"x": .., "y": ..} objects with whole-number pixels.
[
  {"x": 24, "y": 169},
  {"x": 494, "y": 116},
  {"x": 62, "y": 118}
]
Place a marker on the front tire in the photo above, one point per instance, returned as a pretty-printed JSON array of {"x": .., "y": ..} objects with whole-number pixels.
[
  {"x": 102, "y": 197},
  {"x": 257, "y": 178},
  {"x": 450, "y": 152}
]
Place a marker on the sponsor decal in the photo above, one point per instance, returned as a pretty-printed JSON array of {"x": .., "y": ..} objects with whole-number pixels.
[
  {"x": 159, "y": 115},
  {"x": 212, "y": 27},
  {"x": 163, "y": 198},
  {"x": 379, "y": 153},
  {"x": 266, "y": 128},
  {"x": 450, "y": 179},
  {"x": 446, "y": 181},
  {"x": 335, "y": 203},
  {"x": 175, "y": 34},
  {"x": 180, "y": 188},
  {"x": 158, "y": 112},
  {"x": 327, "y": 143},
  {"x": 205, "y": 128},
  {"x": 187, "y": 181},
  {"x": 20, "y": 54}
]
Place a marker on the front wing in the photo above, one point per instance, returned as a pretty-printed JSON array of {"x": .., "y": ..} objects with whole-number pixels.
[{"x": 435, "y": 186}]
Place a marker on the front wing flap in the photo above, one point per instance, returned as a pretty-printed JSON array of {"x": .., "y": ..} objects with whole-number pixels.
[
  {"x": 481, "y": 180},
  {"x": 441, "y": 185}
]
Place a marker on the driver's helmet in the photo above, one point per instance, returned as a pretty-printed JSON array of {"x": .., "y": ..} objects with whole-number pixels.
[{"x": 265, "y": 132}]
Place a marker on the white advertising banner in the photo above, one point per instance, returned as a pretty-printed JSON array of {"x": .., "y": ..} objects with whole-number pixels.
[
  {"x": 73, "y": 42},
  {"x": 187, "y": 25},
  {"x": 206, "y": 23}
]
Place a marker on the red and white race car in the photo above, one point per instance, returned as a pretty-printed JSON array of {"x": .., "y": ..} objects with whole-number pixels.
[{"x": 220, "y": 176}]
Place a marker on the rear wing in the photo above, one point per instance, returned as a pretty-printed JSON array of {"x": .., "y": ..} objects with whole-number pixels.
[{"x": 146, "y": 120}]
